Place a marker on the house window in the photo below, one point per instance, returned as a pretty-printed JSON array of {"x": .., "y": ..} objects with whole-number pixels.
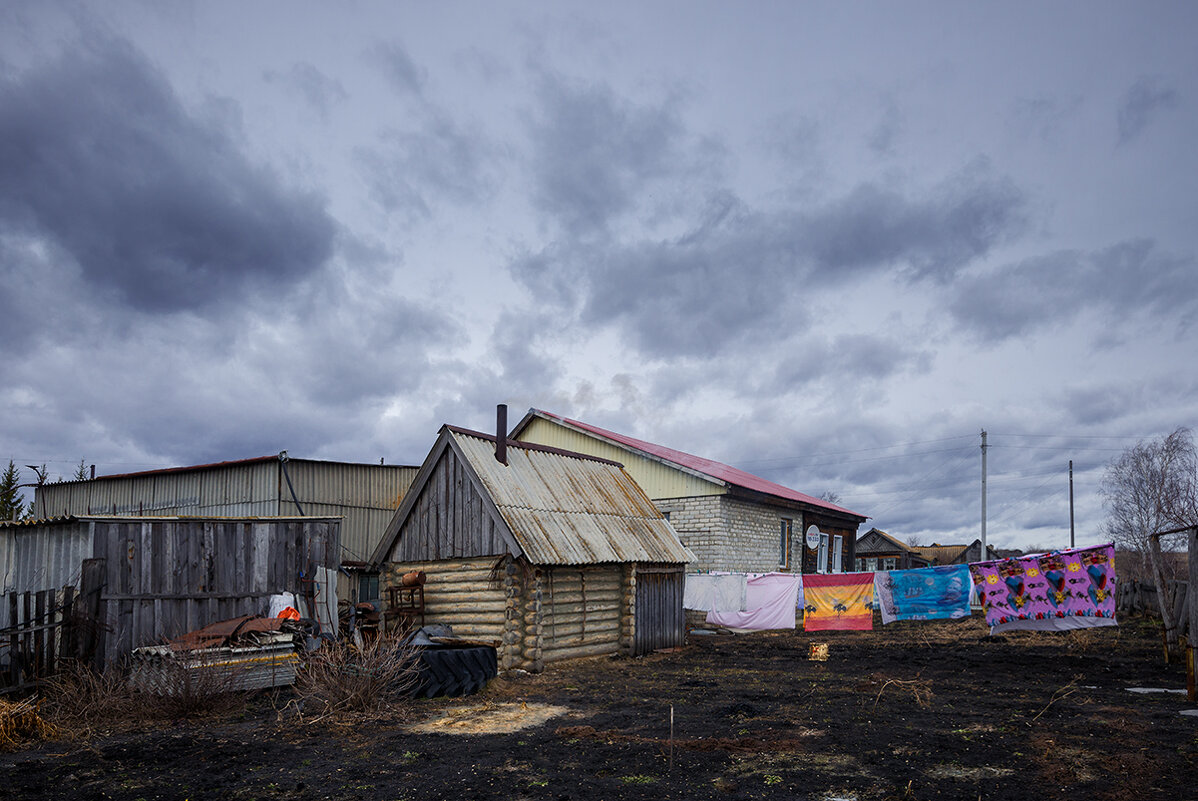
[
  {"x": 821, "y": 558},
  {"x": 871, "y": 564},
  {"x": 784, "y": 543},
  {"x": 860, "y": 565},
  {"x": 888, "y": 563},
  {"x": 368, "y": 586},
  {"x": 837, "y": 554}
]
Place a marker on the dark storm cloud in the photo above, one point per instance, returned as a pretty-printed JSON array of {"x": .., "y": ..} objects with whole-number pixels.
[
  {"x": 319, "y": 90},
  {"x": 157, "y": 207},
  {"x": 595, "y": 153},
  {"x": 740, "y": 273},
  {"x": 1142, "y": 103},
  {"x": 1128, "y": 278}
]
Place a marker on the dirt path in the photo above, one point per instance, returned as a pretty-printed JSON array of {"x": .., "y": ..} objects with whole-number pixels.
[{"x": 912, "y": 711}]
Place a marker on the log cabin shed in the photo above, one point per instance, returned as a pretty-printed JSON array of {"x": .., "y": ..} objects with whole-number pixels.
[{"x": 549, "y": 553}]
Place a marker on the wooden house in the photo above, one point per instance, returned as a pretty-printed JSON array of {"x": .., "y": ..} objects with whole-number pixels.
[
  {"x": 551, "y": 554},
  {"x": 938, "y": 554},
  {"x": 731, "y": 520},
  {"x": 877, "y": 550}
]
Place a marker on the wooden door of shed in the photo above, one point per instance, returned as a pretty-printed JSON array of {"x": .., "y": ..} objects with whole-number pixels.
[{"x": 660, "y": 621}]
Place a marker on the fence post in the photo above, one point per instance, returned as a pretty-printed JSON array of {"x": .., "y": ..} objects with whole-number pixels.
[
  {"x": 1193, "y": 600},
  {"x": 66, "y": 637},
  {"x": 89, "y": 640}
]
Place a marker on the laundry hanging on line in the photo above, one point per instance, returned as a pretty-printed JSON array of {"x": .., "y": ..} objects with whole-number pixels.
[
  {"x": 721, "y": 592},
  {"x": 926, "y": 593},
  {"x": 1068, "y": 589},
  {"x": 770, "y": 603},
  {"x": 838, "y": 602}
]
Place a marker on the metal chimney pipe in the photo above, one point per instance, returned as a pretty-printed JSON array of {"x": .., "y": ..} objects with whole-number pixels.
[{"x": 501, "y": 433}]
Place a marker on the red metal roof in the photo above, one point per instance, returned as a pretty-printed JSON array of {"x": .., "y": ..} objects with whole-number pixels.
[{"x": 708, "y": 467}]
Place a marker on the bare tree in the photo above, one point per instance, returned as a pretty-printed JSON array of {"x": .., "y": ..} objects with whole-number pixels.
[
  {"x": 830, "y": 496},
  {"x": 1151, "y": 487},
  {"x": 915, "y": 540}
]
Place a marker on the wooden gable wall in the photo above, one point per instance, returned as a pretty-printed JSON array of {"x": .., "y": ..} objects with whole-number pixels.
[{"x": 450, "y": 518}]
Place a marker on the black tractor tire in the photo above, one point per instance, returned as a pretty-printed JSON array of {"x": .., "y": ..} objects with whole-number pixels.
[{"x": 453, "y": 672}]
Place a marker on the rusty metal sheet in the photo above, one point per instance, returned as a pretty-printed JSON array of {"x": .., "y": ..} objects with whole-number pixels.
[{"x": 572, "y": 510}]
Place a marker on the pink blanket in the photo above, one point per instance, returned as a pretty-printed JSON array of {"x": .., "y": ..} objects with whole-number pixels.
[{"x": 770, "y": 601}]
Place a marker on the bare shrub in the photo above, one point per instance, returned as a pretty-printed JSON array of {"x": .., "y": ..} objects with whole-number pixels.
[
  {"x": 343, "y": 677},
  {"x": 190, "y": 687},
  {"x": 79, "y": 698}
]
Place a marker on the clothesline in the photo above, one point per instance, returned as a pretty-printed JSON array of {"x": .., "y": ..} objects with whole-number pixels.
[{"x": 1066, "y": 589}]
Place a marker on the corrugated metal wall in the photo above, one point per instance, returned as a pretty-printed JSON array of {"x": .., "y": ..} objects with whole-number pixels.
[
  {"x": 365, "y": 495},
  {"x": 237, "y": 490},
  {"x": 655, "y": 478},
  {"x": 41, "y": 557}
]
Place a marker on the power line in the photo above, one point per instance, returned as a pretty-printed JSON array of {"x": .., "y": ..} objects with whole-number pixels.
[{"x": 855, "y": 450}]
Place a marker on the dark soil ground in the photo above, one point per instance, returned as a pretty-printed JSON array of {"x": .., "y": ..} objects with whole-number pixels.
[{"x": 912, "y": 711}]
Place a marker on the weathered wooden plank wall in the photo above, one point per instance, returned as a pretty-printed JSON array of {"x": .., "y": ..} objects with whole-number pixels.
[
  {"x": 166, "y": 577},
  {"x": 660, "y": 620},
  {"x": 450, "y": 519}
]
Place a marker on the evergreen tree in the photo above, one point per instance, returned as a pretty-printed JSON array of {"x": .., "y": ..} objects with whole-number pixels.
[{"x": 11, "y": 505}]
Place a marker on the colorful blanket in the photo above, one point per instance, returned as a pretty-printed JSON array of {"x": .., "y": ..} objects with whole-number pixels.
[
  {"x": 838, "y": 601},
  {"x": 1068, "y": 589},
  {"x": 928, "y": 593}
]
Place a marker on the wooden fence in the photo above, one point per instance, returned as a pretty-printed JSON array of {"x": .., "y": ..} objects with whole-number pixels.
[
  {"x": 38, "y": 633},
  {"x": 1142, "y": 598}
]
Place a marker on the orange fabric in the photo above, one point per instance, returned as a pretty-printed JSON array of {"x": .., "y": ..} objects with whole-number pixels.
[{"x": 290, "y": 613}]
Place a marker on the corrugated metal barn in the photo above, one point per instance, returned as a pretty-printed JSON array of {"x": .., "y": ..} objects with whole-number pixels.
[
  {"x": 145, "y": 579},
  {"x": 364, "y": 495},
  {"x": 550, "y": 553}
]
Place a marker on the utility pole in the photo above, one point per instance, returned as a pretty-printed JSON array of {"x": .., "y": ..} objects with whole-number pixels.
[
  {"x": 1071, "y": 545},
  {"x": 985, "y": 553}
]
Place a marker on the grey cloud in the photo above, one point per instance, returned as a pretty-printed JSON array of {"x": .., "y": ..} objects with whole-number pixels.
[
  {"x": 410, "y": 170},
  {"x": 1133, "y": 276},
  {"x": 741, "y": 274},
  {"x": 861, "y": 358},
  {"x": 933, "y": 236},
  {"x": 319, "y": 90},
  {"x": 1143, "y": 102},
  {"x": 404, "y": 74},
  {"x": 595, "y": 153},
  {"x": 158, "y": 208}
]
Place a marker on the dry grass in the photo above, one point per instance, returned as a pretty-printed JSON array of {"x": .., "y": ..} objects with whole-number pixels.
[
  {"x": 20, "y": 721},
  {"x": 919, "y": 689},
  {"x": 378, "y": 676}
]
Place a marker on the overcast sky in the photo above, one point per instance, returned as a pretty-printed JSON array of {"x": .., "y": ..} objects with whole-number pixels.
[{"x": 828, "y": 243}]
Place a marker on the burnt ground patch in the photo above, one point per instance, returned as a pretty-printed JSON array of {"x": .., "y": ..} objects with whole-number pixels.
[{"x": 911, "y": 711}]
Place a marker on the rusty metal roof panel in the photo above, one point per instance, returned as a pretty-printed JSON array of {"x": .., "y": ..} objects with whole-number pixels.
[{"x": 572, "y": 509}]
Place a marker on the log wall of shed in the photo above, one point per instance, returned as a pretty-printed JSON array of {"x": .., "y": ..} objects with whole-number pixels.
[
  {"x": 584, "y": 611},
  {"x": 459, "y": 593}
]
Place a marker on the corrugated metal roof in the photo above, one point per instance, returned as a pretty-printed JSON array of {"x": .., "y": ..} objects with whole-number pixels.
[
  {"x": 707, "y": 467},
  {"x": 571, "y": 509}
]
